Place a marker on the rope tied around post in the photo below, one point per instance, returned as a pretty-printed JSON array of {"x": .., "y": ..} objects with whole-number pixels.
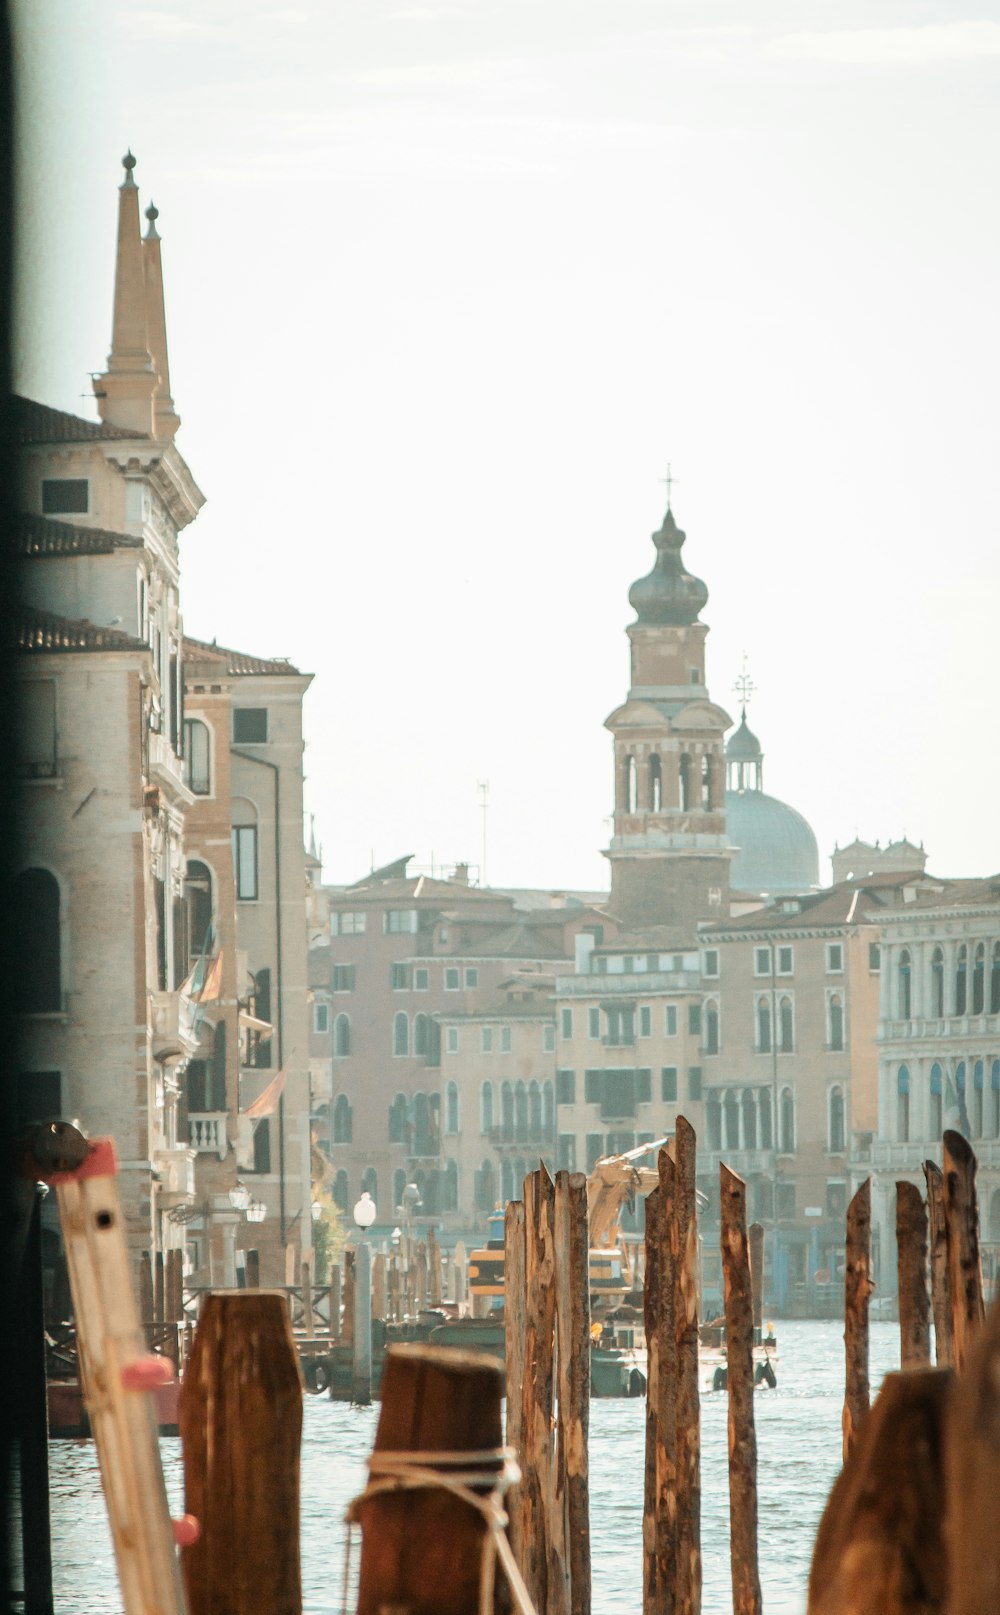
[{"x": 411, "y": 1471}]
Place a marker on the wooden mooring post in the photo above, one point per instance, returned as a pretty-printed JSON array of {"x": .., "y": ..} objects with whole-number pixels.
[
  {"x": 253, "y": 1270},
  {"x": 857, "y": 1291},
  {"x": 914, "y": 1301},
  {"x": 538, "y": 1538},
  {"x": 961, "y": 1214},
  {"x": 684, "y": 1244},
  {"x": 972, "y": 1470},
  {"x": 659, "y": 1534},
  {"x": 513, "y": 1323},
  {"x": 738, "y": 1303},
  {"x": 241, "y": 1428},
  {"x": 572, "y": 1259},
  {"x": 938, "y": 1235}
]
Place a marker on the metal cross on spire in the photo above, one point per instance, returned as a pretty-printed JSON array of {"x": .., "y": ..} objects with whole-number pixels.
[
  {"x": 668, "y": 482},
  {"x": 744, "y": 686}
]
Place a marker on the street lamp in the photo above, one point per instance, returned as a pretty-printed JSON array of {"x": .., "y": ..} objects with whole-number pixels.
[
  {"x": 317, "y": 1211},
  {"x": 365, "y": 1212},
  {"x": 239, "y": 1197},
  {"x": 256, "y": 1211}
]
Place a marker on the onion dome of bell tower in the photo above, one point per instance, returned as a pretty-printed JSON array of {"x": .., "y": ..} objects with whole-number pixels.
[{"x": 669, "y": 594}]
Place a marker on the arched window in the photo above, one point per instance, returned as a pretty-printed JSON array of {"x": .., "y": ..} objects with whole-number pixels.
[
  {"x": 903, "y": 1104},
  {"x": 37, "y": 986},
  {"x": 763, "y": 1026},
  {"x": 521, "y": 1112},
  {"x": 486, "y": 1192},
  {"x": 198, "y": 894},
  {"x": 398, "y": 1185},
  {"x": 978, "y": 1073},
  {"x": 343, "y": 1120},
  {"x": 507, "y": 1111},
  {"x": 424, "y": 1128},
  {"x": 450, "y": 1187},
  {"x": 397, "y": 1120},
  {"x": 731, "y": 1115},
  {"x": 904, "y": 985},
  {"x": 506, "y": 1180},
  {"x": 936, "y": 1097},
  {"x": 421, "y": 1039},
  {"x": 535, "y": 1113},
  {"x": 197, "y": 757},
  {"x": 369, "y": 1183},
  {"x": 655, "y": 784},
  {"x": 979, "y": 978},
  {"x": 548, "y": 1111},
  {"x": 713, "y": 1119},
  {"x": 937, "y": 983},
  {"x": 963, "y": 1114},
  {"x": 451, "y": 1108},
  {"x": 748, "y": 1105},
  {"x": 995, "y": 981},
  {"x": 401, "y": 1033},
  {"x": 961, "y": 980},
  {"x": 341, "y": 1193},
  {"x": 486, "y": 1108},
  {"x": 786, "y": 1019},
  {"x": 836, "y": 1021},
  {"x": 631, "y": 795},
  {"x": 836, "y": 1129},
  {"x": 711, "y": 1045},
  {"x": 994, "y": 1102},
  {"x": 686, "y": 782},
  {"x": 787, "y": 1122},
  {"x": 342, "y": 1035}
]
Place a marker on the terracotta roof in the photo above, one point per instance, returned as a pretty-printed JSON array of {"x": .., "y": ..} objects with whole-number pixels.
[
  {"x": 37, "y": 423},
  {"x": 39, "y": 535},
  {"x": 43, "y": 631},
  {"x": 849, "y": 902},
  {"x": 237, "y": 663}
]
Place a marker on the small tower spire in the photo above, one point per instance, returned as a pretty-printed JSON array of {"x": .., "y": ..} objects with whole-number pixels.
[
  {"x": 125, "y": 390},
  {"x": 165, "y": 418}
]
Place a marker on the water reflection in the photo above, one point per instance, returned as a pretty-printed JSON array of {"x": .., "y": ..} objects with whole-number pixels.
[{"x": 798, "y": 1434}]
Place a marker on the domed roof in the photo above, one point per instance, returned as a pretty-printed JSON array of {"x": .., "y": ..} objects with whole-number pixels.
[
  {"x": 743, "y": 746},
  {"x": 777, "y": 849},
  {"x": 668, "y": 594}
]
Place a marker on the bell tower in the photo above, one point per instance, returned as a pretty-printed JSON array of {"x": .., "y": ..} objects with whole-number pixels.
[{"x": 669, "y": 853}]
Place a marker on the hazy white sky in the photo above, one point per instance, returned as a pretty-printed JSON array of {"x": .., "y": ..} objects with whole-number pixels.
[{"x": 449, "y": 285}]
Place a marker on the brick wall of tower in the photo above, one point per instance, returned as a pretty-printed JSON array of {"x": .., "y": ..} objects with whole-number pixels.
[{"x": 669, "y": 890}]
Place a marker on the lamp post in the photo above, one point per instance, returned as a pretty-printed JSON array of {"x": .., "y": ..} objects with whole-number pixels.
[{"x": 361, "y": 1377}]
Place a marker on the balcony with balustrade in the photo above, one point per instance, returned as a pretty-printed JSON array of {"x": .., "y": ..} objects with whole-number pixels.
[{"x": 207, "y": 1133}]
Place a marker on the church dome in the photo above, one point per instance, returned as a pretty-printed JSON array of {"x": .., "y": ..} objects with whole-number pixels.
[
  {"x": 777, "y": 849},
  {"x": 668, "y": 594}
]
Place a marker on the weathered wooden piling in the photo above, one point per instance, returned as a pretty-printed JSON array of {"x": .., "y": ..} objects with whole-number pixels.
[
  {"x": 659, "y": 1533},
  {"x": 537, "y": 1490},
  {"x": 938, "y": 1232},
  {"x": 757, "y": 1278},
  {"x": 308, "y": 1320},
  {"x": 335, "y": 1301},
  {"x": 572, "y": 1264},
  {"x": 972, "y": 1468},
  {"x": 241, "y": 1427},
  {"x": 422, "y": 1546},
  {"x": 911, "y": 1254},
  {"x": 738, "y": 1303},
  {"x": 857, "y": 1291},
  {"x": 880, "y": 1549},
  {"x": 961, "y": 1212},
  {"x": 252, "y": 1270},
  {"x": 684, "y": 1242},
  {"x": 513, "y": 1323}
]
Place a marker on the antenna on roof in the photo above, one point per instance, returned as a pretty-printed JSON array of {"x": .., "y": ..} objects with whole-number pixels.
[{"x": 484, "y": 791}]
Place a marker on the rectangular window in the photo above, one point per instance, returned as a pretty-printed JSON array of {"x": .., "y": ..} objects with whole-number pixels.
[
  {"x": 628, "y": 964},
  {"x": 595, "y": 1149},
  {"x": 65, "y": 496},
  {"x": 593, "y": 1022},
  {"x": 694, "y": 1081},
  {"x": 668, "y": 1084},
  {"x": 505, "y": 1040},
  {"x": 399, "y": 977},
  {"x": 710, "y": 962},
  {"x": 565, "y": 1087},
  {"x": 451, "y": 1043},
  {"x": 645, "y": 1021},
  {"x": 834, "y": 958},
  {"x": 785, "y": 961},
  {"x": 566, "y": 1023},
  {"x": 249, "y": 726},
  {"x": 396, "y": 921},
  {"x": 421, "y": 980},
  {"x": 548, "y": 1039},
  {"x": 321, "y": 1018},
  {"x": 487, "y": 1044},
  {"x": 35, "y": 736},
  {"x": 670, "y": 1020},
  {"x": 452, "y": 979},
  {"x": 874, "y": 957},
  {"x": 566, "y": 1156},
  {"x": 762, "y": 961},
  {"x": 786, "y": 1199},
  {"x": 644, "y": 1086},
  {"x": 694, "y": 1019},
  {"x": 472, "y": 977},
  {"x": 196, "y": 757},
  {"x": 348, "y": 924},
  {"x": 342, "y": 978},
  {"x": 593, "y": 1086},
  {"x": 245, "y": 861}
]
